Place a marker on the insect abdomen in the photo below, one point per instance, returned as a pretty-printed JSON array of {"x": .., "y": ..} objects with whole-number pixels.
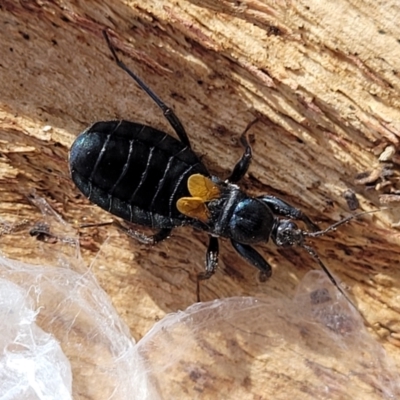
[{"x": 134, "y": 171}]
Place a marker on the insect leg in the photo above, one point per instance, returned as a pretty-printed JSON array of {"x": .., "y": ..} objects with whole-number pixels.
[
  {"x": 211, "y": 263},
  {"x": 152, "y": 239},
  {"x": 167, "y": 111},
  {"x": 254, "y": 258},
  {"x": 282, "y": 208},
  {"x": 243, "y": 164},
  {"x": 158, "y": 237}
]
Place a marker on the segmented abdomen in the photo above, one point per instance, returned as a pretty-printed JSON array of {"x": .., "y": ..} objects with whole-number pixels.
[{"x": 134, "y": 171}]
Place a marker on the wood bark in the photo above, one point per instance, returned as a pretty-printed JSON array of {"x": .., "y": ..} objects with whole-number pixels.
[{"x": 321, "y": 77}]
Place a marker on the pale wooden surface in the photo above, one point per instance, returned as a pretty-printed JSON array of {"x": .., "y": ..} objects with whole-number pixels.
[{"x": 323, "y": 78}]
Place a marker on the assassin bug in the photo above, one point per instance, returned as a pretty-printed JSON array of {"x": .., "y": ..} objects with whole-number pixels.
[{"x": 148, "y": 177}]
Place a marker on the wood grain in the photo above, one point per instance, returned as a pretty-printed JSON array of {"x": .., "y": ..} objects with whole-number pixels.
[{"x": 322, "y": 77}]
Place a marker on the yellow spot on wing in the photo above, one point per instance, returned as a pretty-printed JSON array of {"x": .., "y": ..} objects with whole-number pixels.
[
  {"x": 202, "y": 190},
  {"x": 193, "y": 207},
  {"x": 202, "y": 187}
]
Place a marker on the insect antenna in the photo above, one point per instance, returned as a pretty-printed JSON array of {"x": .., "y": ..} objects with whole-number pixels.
[
  {"x": 337, "y": 224},
  {"x": 313, "y": 253}
]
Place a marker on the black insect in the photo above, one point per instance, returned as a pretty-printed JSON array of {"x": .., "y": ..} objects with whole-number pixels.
[{"x": 147, "y": 177}]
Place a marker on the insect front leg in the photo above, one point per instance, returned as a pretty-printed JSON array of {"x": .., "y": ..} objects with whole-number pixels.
[
  {"x": 254, "y": 258},
  {"x": 211, "y": 263},
  {"x": 280, "y": 207}
]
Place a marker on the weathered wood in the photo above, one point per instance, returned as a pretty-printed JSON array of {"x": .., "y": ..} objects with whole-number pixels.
[{"x": 321, "y": 76}]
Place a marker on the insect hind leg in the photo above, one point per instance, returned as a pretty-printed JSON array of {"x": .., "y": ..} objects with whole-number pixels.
[
  {"x": 158, "y": 237},
  {"x": 150, "y": 239},
  {"x": 167, "y": 111}
]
